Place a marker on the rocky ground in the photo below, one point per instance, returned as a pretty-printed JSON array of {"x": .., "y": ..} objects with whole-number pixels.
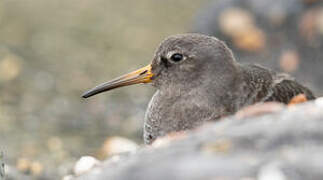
[{"x": 283, "y": 144}]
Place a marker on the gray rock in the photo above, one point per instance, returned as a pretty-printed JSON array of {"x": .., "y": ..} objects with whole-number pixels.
[{"x": 287, "y": 144}]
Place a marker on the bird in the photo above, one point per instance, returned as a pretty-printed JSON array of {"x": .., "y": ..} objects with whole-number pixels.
[{"x": 199, "y": 80}]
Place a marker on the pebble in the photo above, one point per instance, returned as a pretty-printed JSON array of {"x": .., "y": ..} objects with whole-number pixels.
[{"x": 84, "y": 164}]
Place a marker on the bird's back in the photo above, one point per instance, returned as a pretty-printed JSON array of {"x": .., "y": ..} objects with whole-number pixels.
[{"x": 266, "y": 85}]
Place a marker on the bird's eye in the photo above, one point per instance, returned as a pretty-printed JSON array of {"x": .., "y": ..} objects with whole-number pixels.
[{"x": 177, "y": 57}]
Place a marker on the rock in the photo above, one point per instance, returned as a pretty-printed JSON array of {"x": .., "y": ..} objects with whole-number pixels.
[
  {"x": 85, "y": 164},
  {"x": 116, "y": 145},
  {"x": 67, "y": 177},
  {"x": 259, "y": 109},
  {"x": 289, "y": 61},
  {"x": 284, "y": 144}
]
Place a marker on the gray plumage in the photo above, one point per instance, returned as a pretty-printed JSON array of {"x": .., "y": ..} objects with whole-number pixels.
[
  {"x": 198, "y": 80},
  {"x": 207, "y": 85}
]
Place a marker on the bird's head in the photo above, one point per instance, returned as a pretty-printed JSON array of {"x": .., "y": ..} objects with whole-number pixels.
[{"x": 181, "y": 61}]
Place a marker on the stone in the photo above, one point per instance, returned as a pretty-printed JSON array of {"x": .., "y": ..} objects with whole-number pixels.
[{"x": 284, "y": 144}]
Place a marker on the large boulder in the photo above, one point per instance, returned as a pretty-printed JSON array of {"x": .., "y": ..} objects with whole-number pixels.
[{"x": 284, "y": 144}]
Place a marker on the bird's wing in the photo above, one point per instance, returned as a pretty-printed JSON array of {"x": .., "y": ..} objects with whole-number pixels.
[
  {"x": 267, "y": 85},
  {"x": 286, "y": 89},
  {"x": 258, "y": 83}
]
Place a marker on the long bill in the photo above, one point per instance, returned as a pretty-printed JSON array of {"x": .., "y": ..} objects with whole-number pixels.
[{"x": 142, "y": 75}]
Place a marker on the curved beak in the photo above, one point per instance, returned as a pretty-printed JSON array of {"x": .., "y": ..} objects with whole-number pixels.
[{"x": 142, "y": 75}]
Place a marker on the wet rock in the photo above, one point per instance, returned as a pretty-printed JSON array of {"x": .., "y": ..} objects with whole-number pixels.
[{"x": 284, "y": 144}]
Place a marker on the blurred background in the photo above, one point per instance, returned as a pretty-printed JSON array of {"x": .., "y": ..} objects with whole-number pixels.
[{"x": 52, "y": 51}]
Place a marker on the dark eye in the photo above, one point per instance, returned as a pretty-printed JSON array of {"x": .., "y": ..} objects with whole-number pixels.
[{"x": 177, "y": 57}]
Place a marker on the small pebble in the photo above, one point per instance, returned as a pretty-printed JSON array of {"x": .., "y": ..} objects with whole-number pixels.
[
  {"x": 289, "y": 61},
  {"x": 68, "y": 177},
  {"x": 271, "y": 172},
  {"x": 84, "y": 164},
  {"x": 117, "y": 145}
]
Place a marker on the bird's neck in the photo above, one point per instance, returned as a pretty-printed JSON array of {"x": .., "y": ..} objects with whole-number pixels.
[{"x": 219, "y": 91}]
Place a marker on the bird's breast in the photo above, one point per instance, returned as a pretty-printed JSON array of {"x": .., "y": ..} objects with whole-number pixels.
[{"x": 167, "y": 114}]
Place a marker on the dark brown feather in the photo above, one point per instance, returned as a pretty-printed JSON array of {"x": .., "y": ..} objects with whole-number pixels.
[{"x": 287, "y": 89}]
